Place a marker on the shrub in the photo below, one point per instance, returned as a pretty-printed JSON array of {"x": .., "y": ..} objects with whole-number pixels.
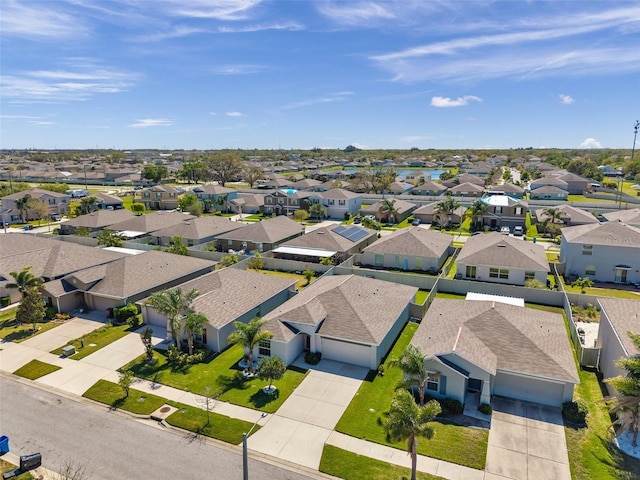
[
  {"x": 451, "y": 406},
  {"x": 173, "y": 354},
  {"x": 312, "y": 358},
  {"x": 50, "y": 313},
  {"x": 5, "y": 301},
  {"x": 485, "y": 408},
  {"x": 62, "y": 316},
  {"x": 134, "y": 321},
  {"x": 575, "y": 412},
  {"x": 123, "y": 314},
  {"x": 137, "y": 207}
]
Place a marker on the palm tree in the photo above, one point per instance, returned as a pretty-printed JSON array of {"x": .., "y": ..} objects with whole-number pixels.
[
  {"x": 627, "y": 399},
  {"x": 476, "y": 211},
  {"x": 31, "y": 305},
  {"x": 24, "y": 280},
  {"x": 411, "y": 362},
  {"x": 23, "y": 205},
  {"x": 388, "y": 207},
  {"x": 173, "y": 304},
  {"x": 249, "y": 335},
  {"x": 446, "y": 208},
  {"x": 552, "y": 216},
  {"x": 195, "y": 323},
  {"x": 407, "y": 421},
  {"x": 87, "y": 203}
]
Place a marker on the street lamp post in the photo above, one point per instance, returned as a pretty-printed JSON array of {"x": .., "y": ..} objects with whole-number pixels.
[
  {"x": 635, "y": 134},
  {"x": 245, "y": 455}
]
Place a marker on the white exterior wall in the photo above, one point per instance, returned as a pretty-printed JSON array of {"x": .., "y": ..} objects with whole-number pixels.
[
  {"x": 389, "y": 261},
  {"x": 288, "y": 351},
  {"x": 456, "y": 382},
  {"x": 611, "y": 348},
  {"x": 603, "y": 257},
  {"x": 352, "y": 205},
  {"x": 474, "y": 372},
  {"x": 516, "y": 276}
]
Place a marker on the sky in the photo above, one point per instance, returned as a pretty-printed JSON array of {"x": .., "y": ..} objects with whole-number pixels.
[{"x": 270, "y": 74}]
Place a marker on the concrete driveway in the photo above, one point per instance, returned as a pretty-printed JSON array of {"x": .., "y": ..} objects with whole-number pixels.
[
  {"x": 526, "y": 442},
  {"x": 299, "y": 430},
  {"x": 60, "y": 336}
]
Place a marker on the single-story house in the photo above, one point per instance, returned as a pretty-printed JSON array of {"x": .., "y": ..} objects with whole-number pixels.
[
  {"x": 107, "y": 201},
  {"x": 506, "y": 189},
  {"x": 630, "y": 217},
  {"x": 467, "y": 190},
  {"x": 95, "y": 221},
  {"x": 262, "y": 236},
  {"x": 247, "y": 203},
  {"x": 491, "y": 348},
  {"x": 618, "y": 316},
  {"x": 498, "y": 258},
  {"x": 429, "y": 214},
  {"x": 463, "y": 178},
  {"x": 570, "y": 217},
  {"x": 140, "y": 225},
  {"x": 337, "y": 242},
  {"x": 403, "y": 210},
  {"x": 604, "y": 252},
  {"x": 549, "y": 181},
  {"x": 347, "y": 318},
  {"x": 429, "y": 188},
  {"x": 195, "y": 231},
  {"x": 412, "y": 248},
  {"x": 227, "y": 296},
  {"x": 549, "y": 192},
  {"x": 122, "y": 281}
]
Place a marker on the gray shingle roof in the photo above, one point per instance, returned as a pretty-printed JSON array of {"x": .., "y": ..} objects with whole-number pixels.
[
  {"x": 630, "y": 217},
  {"x": 608, "y": 233},
  {"x": 151, "y": 222},
  {"x": 401, "y": 206},
  {"x": 496, "y": 336},
  {"x": 326, "y": 239},
  {"x": 413, "y": 241},
  {"x": 100, "y": 218},
  {"x": 346, "y": 307},
  {"x": 575, "y": 215},
  {"x": 466, "y": 187},
  {"x": 431, "y": 208},
  {"x": 198, "y": 228},
  {"x": 624, "y": 315},
  {"x": 494, "y": 249},
  {"x": 266, "y": 231}
]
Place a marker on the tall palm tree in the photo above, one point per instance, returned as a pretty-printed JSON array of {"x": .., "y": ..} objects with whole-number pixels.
[
  {"x": 552, "y": 216},
  {"x": 24, "y": 280},
  {"x": 249, "y": 335},
  {"x": 389, "y": 208},
  {"x": 445, "y": 208},
  {"x": 23, "y": 205},
  {"x": 87, "y": 203},
  {"x": 28, "y": 285},
  {"x": 173, "y": 304},
  {"x": 476, "y": 211},
  {"x": 411, "y": 362},
  {"x": 408, "y": 421},
  {"x": 627, "y": 399},
  {"x": 195, "y": 323}
]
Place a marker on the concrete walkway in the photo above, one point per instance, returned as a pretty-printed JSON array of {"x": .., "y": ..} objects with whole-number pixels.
[{"x": 63, "y": 334}]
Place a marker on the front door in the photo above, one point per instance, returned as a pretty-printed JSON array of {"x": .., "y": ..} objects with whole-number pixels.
[
  {"x": 307, "y": 343},
  {"x": 621, "y": 275}
]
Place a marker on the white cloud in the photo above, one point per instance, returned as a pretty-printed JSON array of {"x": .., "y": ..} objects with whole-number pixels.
[
  {"x": 330, "y": 98},
  {"x": 234, "y": 114},
  {"x": 446, "y": 102},
  {"x": 151, "y": 122},
  {"x": 566, "y": 99},
  {"x": 217, "y": 9},
  {"x": 239, "y": 69},
  {"x": 355, "y": 12},
  {"x": 289, "y": 26},
  {"x": 590, "y": 143},
  {"x": 38, "y": 21}
]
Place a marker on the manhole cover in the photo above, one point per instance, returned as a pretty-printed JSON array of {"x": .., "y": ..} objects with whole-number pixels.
[{"x": 165, "y": 409}]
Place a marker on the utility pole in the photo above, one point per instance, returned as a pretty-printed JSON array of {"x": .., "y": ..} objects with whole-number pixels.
[{"x": 635, "y": 134}]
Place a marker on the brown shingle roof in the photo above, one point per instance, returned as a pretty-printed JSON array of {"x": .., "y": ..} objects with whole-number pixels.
[
  {"x": 413, "y": 241},
  {"x": 326, "y": 239},
  {"x": 496, "y": 336},
  {"x": 266, "y": 231},
  {"x": 494, "y": 249}
]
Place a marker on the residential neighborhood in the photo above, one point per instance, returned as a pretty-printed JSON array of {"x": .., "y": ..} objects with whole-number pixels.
[{"x": 301, "y": 309}]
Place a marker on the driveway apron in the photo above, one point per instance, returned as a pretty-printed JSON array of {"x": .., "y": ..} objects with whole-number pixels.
[{"x": 526, "y": 442}]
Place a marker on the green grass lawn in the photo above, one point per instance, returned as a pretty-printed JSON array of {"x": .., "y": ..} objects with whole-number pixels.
[
  {"x": 35, "y": 369},
  {"x": 8, "y": 467},
  {"x": 112, "y": 394},
  {"x": 219, "y": 426},
  {"x": 421, "y": 296},
  {"x": 553, "y": 257},
  {"x": 583, "y": 199},
  {"x": 12, "y": 331},
  {"x": 604, "y": 292},
  {"x": 220, "y": 373},
  {"x": 351, "y": 466},
  {"x": 452, "y": 272},
  {"x": 450, "y": 296},
  {"x": 364, "y": 415},
  {"x": 301, "y": 281},
  {"x": 101, "y": 337},
  {"x": 591, "y": 453}
]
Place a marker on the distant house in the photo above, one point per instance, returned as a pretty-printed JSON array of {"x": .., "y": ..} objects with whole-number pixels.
[
  {"x": 630, "y": 217},
  {"x": 549, "y": 181},
  {"x": 504, "y": 211},
  {"x": 214, "y": 196},
  {"x": 549, "y": 192},
  {"x": 94, "y": 221},
  {"x": 415, "y": 176},
  {"x": 261, "y": 236},
  {"x": 463, "y": 178},
  {"x": 570, "y": 216},
  {"x": 413, "y": 248},
  {"x": 618, "y": 317},
  {"x": 56, "y": 204},
  {"x": 508, "y": 189},
  {"x": 347, "y": 318},
  {"x": 338, "y": 202},
  {"x": 576, "y": 185},
  {"x": 403, "y": 211},
  {"x": 337, "y": 242},
  {"x": 466, "y": 190},
  {"x": 141, "y": 225},
  {"x": 429, "y": 188},
  {"x": 498, "y": 258},
  {"x": 609, "y": 171},
  {"x": 604, "y": 252},
  {"x": 109, "y": 202},
  {"x": 483, "y": 348},
  {"x": 285, "y": 202},
  {"x": 247, "y": 203},
  {"x": 227, "y": 296},
  {"x": 196, "y": 231},
  {"x": 429, "y": 214},
  {"x": 159, "y": 197},
  {"x": 306, "y": 184}
]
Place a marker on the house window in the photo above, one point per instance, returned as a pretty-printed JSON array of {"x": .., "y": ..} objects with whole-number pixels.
[
  {"x": 587, "y": 249},
  {"x": 294, "y": 201},
  {"x": 379, "y": 260},
  {"x": 518, "y": 210},
  {"x": 268, "y": 199},
  {"x": 498, "y": 210},
  {"x": 158, "y": 195},
  {"x": 418, "y": 262},
  {"x": 529, "y": 275},
  {"x": 471, "y": 271},
  {"x": 341, "y": 203},
  {"x": 502, "y": 273},
  {"x": 201, "y": 336},
  {"x": 332, "y": 202},
  {"x": 590, "y": 270},
  {"x": 264, "y": 348},
  {"x": 433, "y": 382},
  {"x": 146, "y": 194}
]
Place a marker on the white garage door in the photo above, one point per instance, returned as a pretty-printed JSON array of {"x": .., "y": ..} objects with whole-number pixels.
[
  {"x": 101, "y": 304},
  {"x": 346, "y": 352},
  {"x": 152, "y": 317},
  {"x": 529, "y": 389}
]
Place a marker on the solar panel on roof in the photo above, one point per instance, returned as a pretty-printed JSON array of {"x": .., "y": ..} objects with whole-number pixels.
[
  {"x": 339, "y": 229},
  {"x": 354, "y": 234}
]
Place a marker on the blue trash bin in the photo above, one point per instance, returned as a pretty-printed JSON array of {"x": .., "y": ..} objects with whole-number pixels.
[
  {"x": 534, "y": 239},
  {"x": 4, "y": 444}
]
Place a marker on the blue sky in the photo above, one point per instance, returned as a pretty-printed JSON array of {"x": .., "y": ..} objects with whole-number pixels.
[{"x": 301, "y": 74}]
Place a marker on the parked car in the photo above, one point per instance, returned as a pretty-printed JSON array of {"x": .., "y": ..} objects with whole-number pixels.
[
  {"x": 518, "y": 231},
  {"x": 357, "y": 219},
  {"x": 416, "y": 222},
  {"x": 505, "y": 230}
]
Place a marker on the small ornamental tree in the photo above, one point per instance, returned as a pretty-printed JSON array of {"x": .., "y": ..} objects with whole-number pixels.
[
  {"x": 583, "y": 283},
  {"x": 177, "y": 246},
  {"x": 229, "y": 260},
  {"x": 270, "y": 369},
  {"x": 308, "y": 275},
  {"x": 146, "y": 337},
  {"x": 125, "y": 381},
  {"x": 32, "y": 309},
  {"x": 255, "y": 262}
]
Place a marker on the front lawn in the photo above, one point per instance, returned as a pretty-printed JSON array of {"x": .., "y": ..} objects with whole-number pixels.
[
  {"x": 12, "y": 331},
  {"x": 591, "y": 453},
  {"x": 95, "y": 340},
  {"x": 35, "y": 369},
  {"x": 351, "y": 466},
  {"x": 366, "y": 412},
  {"x": 221, "y": 373},
  {"x": 112, "y": 394}
]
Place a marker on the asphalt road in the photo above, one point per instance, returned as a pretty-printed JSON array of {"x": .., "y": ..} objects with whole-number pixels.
[{"x": 113, "y": 446}]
